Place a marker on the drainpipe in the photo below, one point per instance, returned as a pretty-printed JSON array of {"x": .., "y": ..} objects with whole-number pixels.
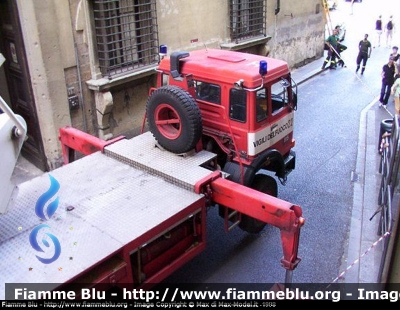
[
  {"x": 277, "y": 10},
  {"x": 278, "y": 7}
]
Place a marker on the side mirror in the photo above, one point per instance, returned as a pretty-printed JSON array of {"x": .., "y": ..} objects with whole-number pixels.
[
  {"x": 294, "y": 99},
  {"x": 239, "y": 84}
]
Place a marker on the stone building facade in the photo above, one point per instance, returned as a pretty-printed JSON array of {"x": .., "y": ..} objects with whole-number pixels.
[{"x": 90, "y": 64}]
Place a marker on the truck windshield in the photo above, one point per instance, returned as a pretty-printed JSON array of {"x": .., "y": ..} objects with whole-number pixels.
[
  {"x": 279, "y": 99},
  {"x": 279, "y": 95}
]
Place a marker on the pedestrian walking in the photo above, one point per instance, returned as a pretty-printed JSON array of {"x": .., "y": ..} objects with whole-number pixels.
[
  {"x": 387, "y": 74},
  {"x": 331, "y": 42},
  {"x": 395, "y": 91},
  {"x": 364, "y": 52},
  {"x": 378, "y": 30},
  {"x": 389, "y": 29},
  {"x": 396, "y": 57},
  {"x": 395, "y": 53}
]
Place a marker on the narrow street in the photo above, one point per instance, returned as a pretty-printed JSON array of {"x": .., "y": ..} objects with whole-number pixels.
[{"x": 327, "y": 131}]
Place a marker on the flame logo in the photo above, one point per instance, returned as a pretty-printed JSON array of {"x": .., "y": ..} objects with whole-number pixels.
[
  {"x": 37, "y": 247},
  {"x": 51, "y": 209}
]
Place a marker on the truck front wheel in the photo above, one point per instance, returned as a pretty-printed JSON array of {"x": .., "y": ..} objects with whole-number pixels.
[
  {"x": 265, "y": 184},
  {"x": 174, "y": 119}
]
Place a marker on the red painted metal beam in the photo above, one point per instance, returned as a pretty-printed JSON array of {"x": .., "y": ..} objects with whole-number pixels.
[
  {"x": 271, "y": 210},
  {"x": 73, "y": 139}
]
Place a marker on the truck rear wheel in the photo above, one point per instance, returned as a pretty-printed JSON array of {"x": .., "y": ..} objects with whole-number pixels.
[
  {"x": 174, "y": 119},
  {"x": 265, "y": 184}
]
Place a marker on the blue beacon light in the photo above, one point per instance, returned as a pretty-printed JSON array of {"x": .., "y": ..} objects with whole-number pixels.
[
  {"x": 263, "y": 68},
  {"x": 163, "y": 50}
]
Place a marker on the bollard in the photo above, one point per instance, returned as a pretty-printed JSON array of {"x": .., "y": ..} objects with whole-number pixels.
[{"x": 386, "y": 126}]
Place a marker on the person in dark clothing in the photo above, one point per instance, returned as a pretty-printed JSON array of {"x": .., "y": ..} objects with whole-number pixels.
[
  {"x": 396, "y": 56},
  {"x": 364, "y": 52},
  {"x": 388, "y": 72},
  {"x": 395, "y": 53},
  {"x": 389, "y": 30},
  {"x": 331, "y": 42},
  {"x": 378, "y": 30}
]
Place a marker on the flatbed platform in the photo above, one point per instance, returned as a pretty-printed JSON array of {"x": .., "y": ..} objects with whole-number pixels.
[{"x": 106, "y": 200}]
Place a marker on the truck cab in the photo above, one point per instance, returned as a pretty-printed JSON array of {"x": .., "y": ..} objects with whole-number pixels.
[{"x": 246, "y": 103}]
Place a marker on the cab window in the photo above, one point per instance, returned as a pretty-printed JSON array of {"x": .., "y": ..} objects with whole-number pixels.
[
  {"x": 237, "y": 105},
  {"x": 208, "y": 92},
  {"x": 261, "y": 105},
  {"x": 164, "y": 79}
]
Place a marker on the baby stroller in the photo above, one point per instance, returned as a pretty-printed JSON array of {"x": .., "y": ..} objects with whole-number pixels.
[{"x": 340, "y": 48}]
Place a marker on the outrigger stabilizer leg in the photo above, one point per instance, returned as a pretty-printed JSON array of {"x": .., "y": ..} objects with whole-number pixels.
[{"x": 269, "y": 209}]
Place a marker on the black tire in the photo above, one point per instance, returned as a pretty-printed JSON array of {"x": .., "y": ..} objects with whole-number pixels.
[
  {"x": 174, "y": 119},
  {"x": 266, "y": 184}
]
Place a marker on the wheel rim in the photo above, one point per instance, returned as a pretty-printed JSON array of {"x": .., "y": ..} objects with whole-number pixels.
[{"x": 168, "y": 121}]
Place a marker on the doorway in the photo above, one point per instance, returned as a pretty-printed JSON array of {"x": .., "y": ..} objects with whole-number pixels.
[{"x": 18, "y": 83}]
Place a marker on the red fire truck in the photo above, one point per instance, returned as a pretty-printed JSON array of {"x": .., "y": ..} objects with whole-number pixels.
[{"x": 132, "y": 211}]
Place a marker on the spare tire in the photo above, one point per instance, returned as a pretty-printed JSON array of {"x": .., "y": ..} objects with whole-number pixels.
[{"x": 174, "y": 119}]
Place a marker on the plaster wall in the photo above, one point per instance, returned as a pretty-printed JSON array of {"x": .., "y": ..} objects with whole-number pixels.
[{"x": 60, "y": 48}]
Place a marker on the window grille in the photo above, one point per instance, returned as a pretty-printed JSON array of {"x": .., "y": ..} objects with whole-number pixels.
[
  {"x": 126, "y": 35},
  {"x": 247, "y": 19}
]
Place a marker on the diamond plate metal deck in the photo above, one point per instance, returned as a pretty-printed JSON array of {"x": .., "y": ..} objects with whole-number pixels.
[
  {"x": 112, "y": 203},
  {"x": 146, "y": 155}
]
